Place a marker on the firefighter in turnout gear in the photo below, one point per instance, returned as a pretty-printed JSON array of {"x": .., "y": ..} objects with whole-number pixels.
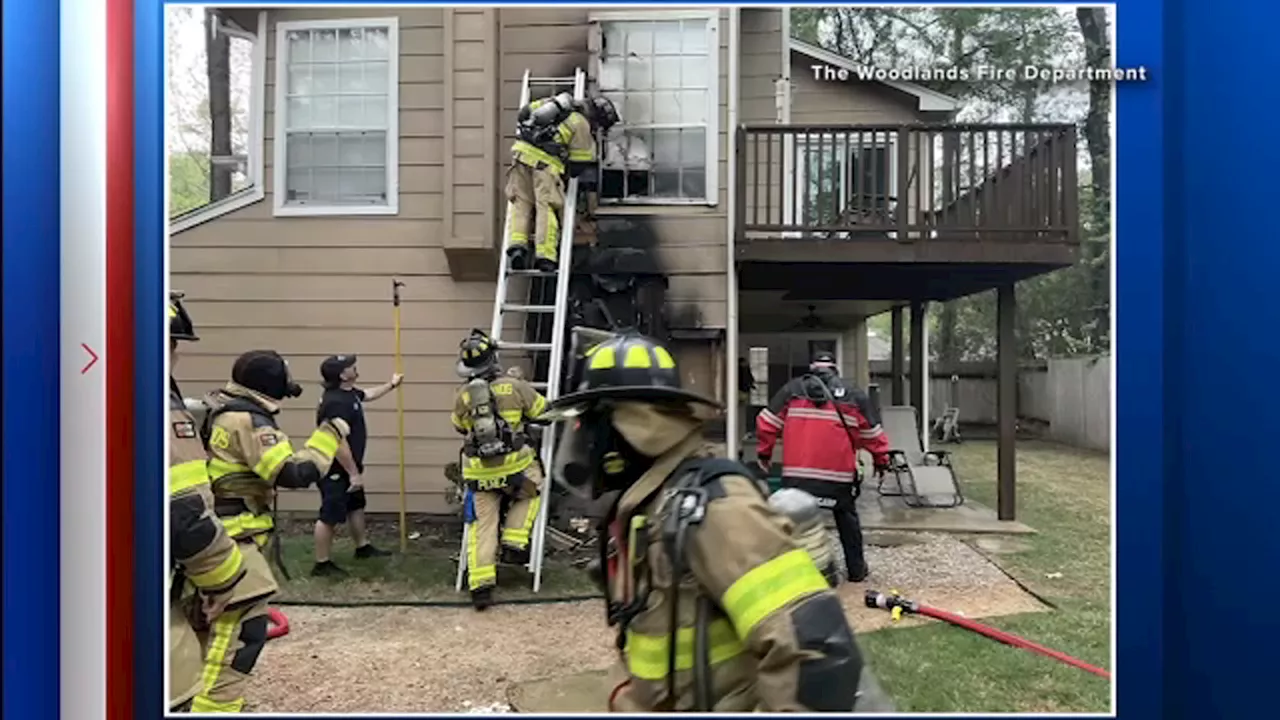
[
  {"x": 716, "y": 605},
  {"x": 499, "y": 462},
  {"x": 206, "y": 562},
  {"x": 554, "y": 136},
  {"x": 824, "y": 421},
  {"x": 249, "y": 458}
]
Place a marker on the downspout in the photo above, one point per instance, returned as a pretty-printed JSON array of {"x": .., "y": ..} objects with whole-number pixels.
[
  {"x": 785, "y": 118},
  {"x": 731, "y": 429},
  {"x": 784, "y": 115}
]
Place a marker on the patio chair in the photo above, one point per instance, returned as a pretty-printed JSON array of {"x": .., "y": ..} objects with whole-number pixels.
[{"x": 923, "y": 479}]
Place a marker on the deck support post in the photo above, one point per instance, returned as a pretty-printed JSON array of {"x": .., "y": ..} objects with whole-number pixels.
[
  {"x": 1006, "y": 402},
  {"x": 898, "y": 358},
  {"x": 919, "y": 382}
]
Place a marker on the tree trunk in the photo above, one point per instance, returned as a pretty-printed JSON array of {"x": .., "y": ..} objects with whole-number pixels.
[
  {"x": 1097, "y": 135},
  {"x": 218, "y": 62}
]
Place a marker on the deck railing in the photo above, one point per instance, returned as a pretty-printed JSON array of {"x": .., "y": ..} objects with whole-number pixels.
[{"x": 981, "y": 183}]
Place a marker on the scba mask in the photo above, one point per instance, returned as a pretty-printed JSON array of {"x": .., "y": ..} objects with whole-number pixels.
[{"x": 591, "y": 457}]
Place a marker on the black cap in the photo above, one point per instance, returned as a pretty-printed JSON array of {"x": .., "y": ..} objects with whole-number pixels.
[{"x": 332, "y": 367}]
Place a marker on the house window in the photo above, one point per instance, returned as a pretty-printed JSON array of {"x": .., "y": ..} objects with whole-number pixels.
[
  {"x": 214, "y": 107},
  {"x": 336, "y": 119},
  {"x": 662, "y": 74},
  {"x": 846, "y": 179}
]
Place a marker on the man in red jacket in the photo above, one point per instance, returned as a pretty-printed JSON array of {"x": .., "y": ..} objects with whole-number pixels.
[{"x": 823, "y": 422}]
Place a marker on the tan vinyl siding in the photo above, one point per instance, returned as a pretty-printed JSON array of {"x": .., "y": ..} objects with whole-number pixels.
[{"x": 761, "y": 69}]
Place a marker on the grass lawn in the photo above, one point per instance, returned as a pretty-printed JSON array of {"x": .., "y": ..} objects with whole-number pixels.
[
  {"x": 1065, "y": 494},
  {"x": 425, "y": 573}
]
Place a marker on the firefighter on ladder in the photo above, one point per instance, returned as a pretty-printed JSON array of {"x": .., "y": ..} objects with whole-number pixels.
[
  {"x": 249, "y": 458},
  {"x": 717, "y": 607},
  {"x": 499, "y": 465},
  {"x": 207, "y": 563},
  {"x": 554, "y": 135}
]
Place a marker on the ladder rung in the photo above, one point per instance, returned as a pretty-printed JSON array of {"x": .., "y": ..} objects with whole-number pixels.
[
  {"x": 532, "y": 273},
  {"x": 545, "y": 347},
  {"x": 552, "y": 80},
  {"x": 513, "y": 307},
  {"x": 538, "y": 384}
]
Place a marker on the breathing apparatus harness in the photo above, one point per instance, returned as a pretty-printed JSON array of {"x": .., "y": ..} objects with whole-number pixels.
[
  {"x": 683, "y": 508},
  {"x": 540, "y": 127},
  {"x": 807, "y": 382},
  {"x": 490, "y": 434}
]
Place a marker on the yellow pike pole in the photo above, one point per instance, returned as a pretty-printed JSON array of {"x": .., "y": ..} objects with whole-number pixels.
[{"x": 395, "y": 301}]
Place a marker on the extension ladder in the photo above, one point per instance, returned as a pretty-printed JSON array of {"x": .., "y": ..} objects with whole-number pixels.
[{"x": 549, "y": 385}]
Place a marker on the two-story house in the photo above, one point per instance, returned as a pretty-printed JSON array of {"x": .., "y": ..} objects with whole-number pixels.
[{"x": 378, "y": 145}]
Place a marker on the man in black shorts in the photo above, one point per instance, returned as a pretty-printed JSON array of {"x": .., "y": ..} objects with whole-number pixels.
[{"x": 342, "y": 491}]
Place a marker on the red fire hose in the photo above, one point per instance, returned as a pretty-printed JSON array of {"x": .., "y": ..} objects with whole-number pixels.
[
  {"x": 897, "y": 604},
  {"x": 279, "y": 624}
]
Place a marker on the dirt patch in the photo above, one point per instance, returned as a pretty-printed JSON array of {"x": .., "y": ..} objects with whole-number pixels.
[{"x": 456, "y": 660}]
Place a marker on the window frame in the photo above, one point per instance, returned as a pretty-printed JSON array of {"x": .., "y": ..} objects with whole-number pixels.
[
  {"x": 255, "y": 168},
  {"x": 279, "y": 160},
  {"x": 712, "y": 19}
]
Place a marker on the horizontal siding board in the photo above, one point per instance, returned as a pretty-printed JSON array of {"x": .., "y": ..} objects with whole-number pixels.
[
  {"x": 414, "y": 314},
  {"x": 337, "y": 287}
]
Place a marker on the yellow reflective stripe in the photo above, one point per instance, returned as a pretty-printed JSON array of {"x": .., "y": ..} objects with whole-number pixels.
[
  {"x": 647, "y": 655},
  {"x": 273, "y": 459},
  {"x": 535, "y": 104},
  {"x": 539, "y": 406},
  {"x": 204, "y": 705},
  {"x": 219, "y": 469},
  {"x": 323, "y": 442},
  {"x": 520, "y": 536},
  {"x": 637, "y": 357},
  {"x": 478, "y": 575},
  {"x": 531, "y": 156},
  {"x": 226, "y": 570},
  {"x": 187, "y": 475},
  {"x": 581, "y": 156},
  {"x": 223, "y": 635},
  {"x": 513, "y": 417},
  {"x": 246, "y": 523},
  {"x": 460, "y": 422},
  {"x": 513, "y": 463},
  {"x": 603, "y": 359},
  {"x": 665, "y": 360},
  {"x": 767, "y": 587},
  {"x": 564, "y": 133}
]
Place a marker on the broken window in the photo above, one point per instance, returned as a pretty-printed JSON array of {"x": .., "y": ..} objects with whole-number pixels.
[{"x": 662, "y": 75}]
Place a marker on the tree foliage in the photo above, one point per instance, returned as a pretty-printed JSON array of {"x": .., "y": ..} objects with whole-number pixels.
[{"x": 1061, "y": 313}]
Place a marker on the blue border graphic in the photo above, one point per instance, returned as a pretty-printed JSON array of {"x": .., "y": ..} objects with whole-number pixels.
[
  {"x": 32, "y": 359},
  {"x": 1194, "y": 276}
]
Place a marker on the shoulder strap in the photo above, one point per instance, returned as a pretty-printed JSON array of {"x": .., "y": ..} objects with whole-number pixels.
[
  {"x": 701, "y": 472},
  {"x": 261, "y": 418}
]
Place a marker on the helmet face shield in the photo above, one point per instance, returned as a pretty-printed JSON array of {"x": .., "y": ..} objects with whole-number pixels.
[{"x": 571, "y": 464}]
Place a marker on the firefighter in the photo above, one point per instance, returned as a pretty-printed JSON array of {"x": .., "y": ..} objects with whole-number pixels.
[
  {"x": 500, "y": 465},
  {"x": 554, "y": 135},
  {"x": 206, "y": 562},
  {"x": 717, "y": 607},
  {"x": 823, "y": 422},
  {"x": 249, "y": 458}
]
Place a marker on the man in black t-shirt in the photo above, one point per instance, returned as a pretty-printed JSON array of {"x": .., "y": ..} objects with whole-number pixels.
[{"x": 342, "y": 491}]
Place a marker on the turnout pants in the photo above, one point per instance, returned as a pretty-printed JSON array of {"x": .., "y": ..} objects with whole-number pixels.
[
  {"x": 535, "y": 199},
  {"x": 186, "y": 657},
  {"x": 838, "y": 498},
  {"x": 484, "y": 537},
  {"x": 233, "y": 642}
]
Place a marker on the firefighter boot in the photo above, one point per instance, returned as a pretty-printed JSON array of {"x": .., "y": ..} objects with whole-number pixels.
[
  {"x": 545, "y": 265},
  {"x": 518, "y": 257},
  {"x": 482, "y": 598},
  {"x": 515, "y": 556}
]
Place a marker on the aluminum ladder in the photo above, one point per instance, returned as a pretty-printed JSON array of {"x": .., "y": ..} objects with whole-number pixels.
[{"x": 549, "y": 385}]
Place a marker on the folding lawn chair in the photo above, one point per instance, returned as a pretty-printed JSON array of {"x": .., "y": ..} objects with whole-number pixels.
[{"x": 924, "y": 479}]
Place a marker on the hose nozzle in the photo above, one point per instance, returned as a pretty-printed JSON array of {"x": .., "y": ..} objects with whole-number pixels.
[{"x": 891, "y": 602}]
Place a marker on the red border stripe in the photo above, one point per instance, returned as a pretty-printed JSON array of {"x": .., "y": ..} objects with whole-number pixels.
[{"x": 120, "y": 360}]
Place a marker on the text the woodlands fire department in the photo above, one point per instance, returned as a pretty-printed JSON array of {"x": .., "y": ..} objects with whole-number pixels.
[{"x": 1026, "y": 73}]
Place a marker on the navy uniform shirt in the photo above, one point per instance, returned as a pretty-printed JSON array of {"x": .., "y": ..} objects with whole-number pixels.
[{"x": 348, "y": 405}]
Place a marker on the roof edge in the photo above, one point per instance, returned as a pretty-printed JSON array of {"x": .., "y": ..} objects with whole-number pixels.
[{"x": 926, "y": 100}]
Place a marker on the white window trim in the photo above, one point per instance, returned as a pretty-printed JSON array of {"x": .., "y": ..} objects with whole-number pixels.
[
  {"x": 279, "y": 162},
  {"x": 798, "y": 143},
  {"x": 712, "y": 17},
  {"x": 256, "y": 167}
]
